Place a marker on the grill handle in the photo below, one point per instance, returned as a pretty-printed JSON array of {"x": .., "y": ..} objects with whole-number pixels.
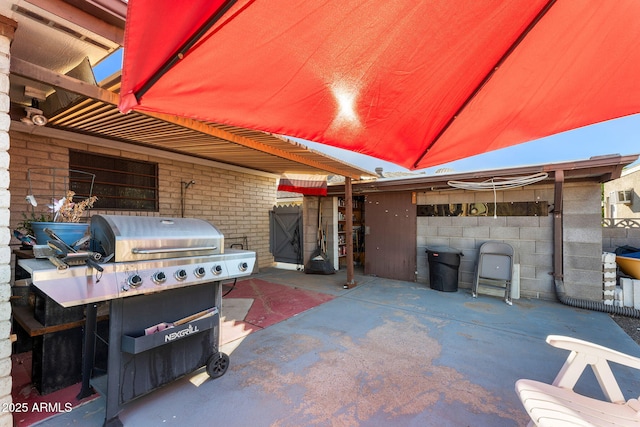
[{"x": 171, "y": 250}]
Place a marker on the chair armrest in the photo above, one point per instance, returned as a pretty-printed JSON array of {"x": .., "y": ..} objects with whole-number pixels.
[
  {"x": 574, "y": 344},
  {"x": 584, "y": 353}
]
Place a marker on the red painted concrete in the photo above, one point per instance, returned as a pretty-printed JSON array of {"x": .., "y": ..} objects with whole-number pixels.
[
  {"x": 274, "y": 303},
  {"x": 30, "y": 406}
]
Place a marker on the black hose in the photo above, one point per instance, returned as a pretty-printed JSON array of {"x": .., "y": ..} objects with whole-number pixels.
[
  {"x": 594, "y": 305},
  {"x": 232, "y": 287}
]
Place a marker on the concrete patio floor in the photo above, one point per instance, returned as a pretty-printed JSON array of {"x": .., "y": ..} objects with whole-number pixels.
[{"x": 385, "y": 353}]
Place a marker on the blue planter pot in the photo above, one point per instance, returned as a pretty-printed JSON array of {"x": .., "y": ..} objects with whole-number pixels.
[{"x": 69, "y": 232}]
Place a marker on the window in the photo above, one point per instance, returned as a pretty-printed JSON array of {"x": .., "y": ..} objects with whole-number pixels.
[
  {"x": 624, "y": 196},
  {"x": 120, "y": 183},
  {"x": 486, "y": 209}
]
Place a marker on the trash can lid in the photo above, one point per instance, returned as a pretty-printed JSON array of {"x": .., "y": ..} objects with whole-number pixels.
[{"x": 444, "y": 249}]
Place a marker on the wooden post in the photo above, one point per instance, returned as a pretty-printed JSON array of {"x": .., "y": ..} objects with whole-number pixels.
[{"x": 348, "y": 213}]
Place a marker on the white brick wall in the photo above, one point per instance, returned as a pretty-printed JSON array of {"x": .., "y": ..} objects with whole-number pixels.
[{"x": 6, "y": 418}]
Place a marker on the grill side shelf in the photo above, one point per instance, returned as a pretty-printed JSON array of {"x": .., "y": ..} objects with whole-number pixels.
[{"x": 140, "y": 342}]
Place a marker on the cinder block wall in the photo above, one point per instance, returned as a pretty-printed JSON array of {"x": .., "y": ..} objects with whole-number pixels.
[
  {"x": 237, "y": 202},
  {"x": 614, "y": 237},
  {"x": 531, "y": 238},
  {"x": 582, "y": 227}
]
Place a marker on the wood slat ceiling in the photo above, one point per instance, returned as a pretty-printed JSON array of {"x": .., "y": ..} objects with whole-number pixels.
[{"x": 227, "y": 144}]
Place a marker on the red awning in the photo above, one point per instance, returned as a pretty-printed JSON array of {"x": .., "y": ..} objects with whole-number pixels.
[
  {"x": 417, "y": 83},
  {"x": 307, "y": 184}
]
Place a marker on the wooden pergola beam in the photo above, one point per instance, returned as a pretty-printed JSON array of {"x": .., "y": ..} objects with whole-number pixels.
[
  {"x": 20, "y": 67},
  {"x": 71, "y": 13}
]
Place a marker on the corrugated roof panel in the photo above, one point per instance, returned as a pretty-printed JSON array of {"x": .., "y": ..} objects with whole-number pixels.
[{"x": 273, "y": 154}]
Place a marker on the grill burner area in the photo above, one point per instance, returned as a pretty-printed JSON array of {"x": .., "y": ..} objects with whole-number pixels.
[
  {"x": 81, "y": 285},
  {"x": 146, "y": 255}
]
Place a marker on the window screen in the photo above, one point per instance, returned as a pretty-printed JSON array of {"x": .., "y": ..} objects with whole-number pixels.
[
  {"x": 538, "y": 208},
  {"x": 120, "y": 183}
]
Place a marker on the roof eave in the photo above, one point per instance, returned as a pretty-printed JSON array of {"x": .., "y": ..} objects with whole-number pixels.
[{"x": 600, "y": 169}]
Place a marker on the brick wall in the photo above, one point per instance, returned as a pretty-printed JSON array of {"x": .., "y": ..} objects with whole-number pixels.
[
  {"x": 236, "y": 201},
  {"x": 7, "y": 27}
]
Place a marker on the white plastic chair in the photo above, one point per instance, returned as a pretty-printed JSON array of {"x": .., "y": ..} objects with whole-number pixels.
[{"x": 557, "y": 405}]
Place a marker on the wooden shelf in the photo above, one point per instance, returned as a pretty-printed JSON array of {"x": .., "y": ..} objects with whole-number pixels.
[
  {"x": 357, "y": 221},
  {"x": 24, "y": 316}
]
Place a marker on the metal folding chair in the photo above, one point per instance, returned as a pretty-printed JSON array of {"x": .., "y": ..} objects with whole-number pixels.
[{"x": 495, "y": 267}]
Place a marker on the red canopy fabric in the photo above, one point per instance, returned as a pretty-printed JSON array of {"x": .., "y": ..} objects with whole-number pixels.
[
  {"x": 307, "y": 184},
  {"x": 417, "y": 83}
]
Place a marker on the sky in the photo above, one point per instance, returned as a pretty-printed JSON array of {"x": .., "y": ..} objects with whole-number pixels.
[{"x": 619, "y": 136}]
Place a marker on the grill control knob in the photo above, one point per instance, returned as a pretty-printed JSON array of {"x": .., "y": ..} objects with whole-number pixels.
[
  {"x": 217, "y": 269},
  {"x": 181, "y": 274},
  {"x": 159, "y": 277},
  {"x": 134, "y": 281},
  {"x": 200, "y": 272},
  {"x": 243, "y": 266}
]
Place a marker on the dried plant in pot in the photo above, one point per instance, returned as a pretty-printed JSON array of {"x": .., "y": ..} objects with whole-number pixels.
[{"x": 65, "y": 223}]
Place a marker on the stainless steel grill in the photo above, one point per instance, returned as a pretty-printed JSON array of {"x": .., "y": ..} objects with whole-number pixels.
[
  {"x": 174, "y": 267},
  {"x": 143, "y": 255},
  {"x": 135, "y": 238}
]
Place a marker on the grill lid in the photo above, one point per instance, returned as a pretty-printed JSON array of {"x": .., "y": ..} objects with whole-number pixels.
[{"x": 135, "y": 238}]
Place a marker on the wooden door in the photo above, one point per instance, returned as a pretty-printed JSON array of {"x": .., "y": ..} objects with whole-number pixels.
[{"x": 390, "y": 236}]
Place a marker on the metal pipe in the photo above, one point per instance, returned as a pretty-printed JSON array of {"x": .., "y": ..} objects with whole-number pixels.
[
  {"x": 558, "y": 261},
  {"x": 183, "y": 192}
]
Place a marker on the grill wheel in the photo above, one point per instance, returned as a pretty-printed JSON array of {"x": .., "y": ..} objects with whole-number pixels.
[{"x": 217, "y": 365}]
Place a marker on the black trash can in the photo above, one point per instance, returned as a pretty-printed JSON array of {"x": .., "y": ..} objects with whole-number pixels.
[{"x": 443, "y": 268}]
